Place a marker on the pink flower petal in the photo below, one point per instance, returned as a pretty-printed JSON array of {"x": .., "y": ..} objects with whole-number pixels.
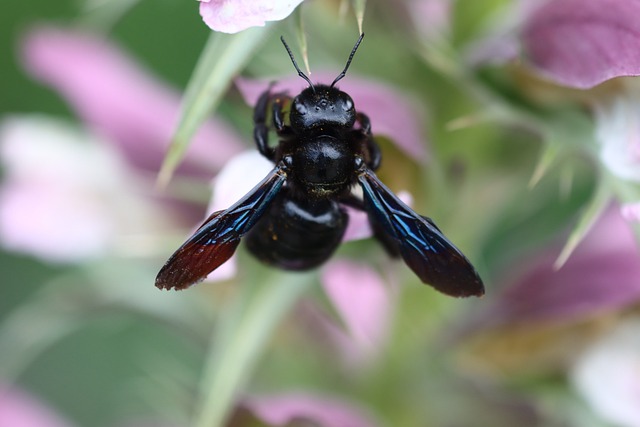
[
  {"x": 496, "y": 49},
  {"x": 280, "y": 410},
  {"x": 111, "y": 92},
  {"x": 502, "y": 44},
  {"x": 358, "y": 227},
  {"x": 73, "y": 229},
  {"x": 17, "y": 409},
  {"x": 232, "y": 16},
  {"x": 363, "y": 301},
  {"x": 392, "y": 114},
  {"x": 603, "y": 274},
  {"x": 582, "y": 43},
  {"x": 47, "y": 203},
  {"x": 431, "y": 18},
  {"x": 631, "y": 212}
]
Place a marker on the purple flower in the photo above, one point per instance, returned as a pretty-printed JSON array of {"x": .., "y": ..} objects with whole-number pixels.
[
  {"x": 18, "y": 409},
  {"x": 431, "y": 18},
  {"x": 574, "y": 43},
  {"x": 582, "y": 43},
  {"x": 364, "y": 302},
  {"x": 321, "y": 411},
  {"x": 121, "y": 101},
  {"x": 602, "y": 275},
  {"x": 70, "y": 194},
  {"x": 232, "y": 16}
]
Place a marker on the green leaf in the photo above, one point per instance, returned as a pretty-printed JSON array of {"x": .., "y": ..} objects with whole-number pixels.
[
  {"x": 223, "y": 57},
  {"x": 302, "y": 39},
  {"x": 596, "y": 206},
  {"x": 358, "y": 8},
  {"x": 65, "y": 304},
  {"x": 547, "y": 158},
  {"x": 30, "y": 330},
  {"x": 103, "y": 16}
]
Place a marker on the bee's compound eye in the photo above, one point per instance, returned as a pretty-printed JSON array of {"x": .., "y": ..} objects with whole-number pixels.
[{"x": 347, "y": 104}]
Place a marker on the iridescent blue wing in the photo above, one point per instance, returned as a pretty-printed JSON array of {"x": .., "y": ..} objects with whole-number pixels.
[
  {"x": 434, "y": 259},
  {"x": 217, "y": 239}
]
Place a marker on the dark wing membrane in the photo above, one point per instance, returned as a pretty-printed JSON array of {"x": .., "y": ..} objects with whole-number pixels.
[
  {"x": 217, "y": 239},
  {"x": 434, "y": 259}
]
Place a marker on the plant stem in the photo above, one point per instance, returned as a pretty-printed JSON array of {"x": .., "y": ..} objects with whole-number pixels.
[{"x": 240, "y": 339}]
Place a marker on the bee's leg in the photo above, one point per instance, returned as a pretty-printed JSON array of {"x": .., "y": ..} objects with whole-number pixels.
[
  {"x": 374, "y": 158},
  {"x": 260, "y": 128},
  {"x": 274, "y": 102}
]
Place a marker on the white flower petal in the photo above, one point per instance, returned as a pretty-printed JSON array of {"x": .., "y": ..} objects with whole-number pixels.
[
  {"x": 237, "y": 178},
  {"x": 608, "y": 375},
  {"x": 68, "y": 195},
  {"x": 618, "y": 132},
  {"x": 232, "y": 16},
  {"x": 631, "y": 212}
]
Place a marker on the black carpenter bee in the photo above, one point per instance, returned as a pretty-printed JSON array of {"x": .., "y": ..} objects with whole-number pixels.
[{"x": 294, "y": 219}]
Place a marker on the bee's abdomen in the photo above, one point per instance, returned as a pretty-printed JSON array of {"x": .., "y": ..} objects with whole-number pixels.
[{"x": 297, "y": 234}]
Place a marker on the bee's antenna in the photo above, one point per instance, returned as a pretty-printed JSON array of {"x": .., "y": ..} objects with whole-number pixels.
[
  {"x": 353, "y": 52},
  {"x": 295, "y": 64}
]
